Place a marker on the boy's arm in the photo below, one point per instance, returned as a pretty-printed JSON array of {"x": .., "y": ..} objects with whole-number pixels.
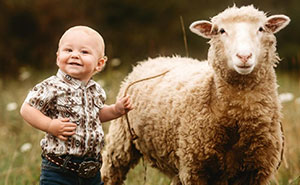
[
  {"x": 60, "y": 128},
  {"x": 110, "y": 112}
]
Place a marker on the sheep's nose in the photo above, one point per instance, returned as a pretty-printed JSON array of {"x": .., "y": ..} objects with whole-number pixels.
[{"x": 244, "y": 58}]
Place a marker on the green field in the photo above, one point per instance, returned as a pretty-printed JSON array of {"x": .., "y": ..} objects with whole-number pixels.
[{"x": 20, "y": 165}]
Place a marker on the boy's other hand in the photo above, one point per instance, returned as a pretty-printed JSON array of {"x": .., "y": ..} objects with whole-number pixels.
[
  {"x": 123, "y": 105},
  {"x": 61, "y": 128}
]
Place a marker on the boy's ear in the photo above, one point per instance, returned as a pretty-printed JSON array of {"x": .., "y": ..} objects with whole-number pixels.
[
  {"x": 57, "y": 57},
  {"x": 101, "y": 63}
]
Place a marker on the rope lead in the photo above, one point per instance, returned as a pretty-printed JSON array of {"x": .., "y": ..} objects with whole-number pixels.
[{"x": 131, "y": 130}]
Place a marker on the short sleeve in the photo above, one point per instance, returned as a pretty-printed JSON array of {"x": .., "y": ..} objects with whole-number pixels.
[
  {"x": 100, "y": 97},
  {"x": 39, "y": 97}
]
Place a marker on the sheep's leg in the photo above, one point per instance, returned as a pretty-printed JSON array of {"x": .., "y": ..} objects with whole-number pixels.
[
  {"x": 176, "y": 180},
  {"x": 119, "y": 156},
  {"x": 247, "y": 178},
  {"x": 189, "y": 176},
  {"x": 259, "y": 176},
  {"x": 261, "y": 156},
  {"x": 193, "y": 180}
]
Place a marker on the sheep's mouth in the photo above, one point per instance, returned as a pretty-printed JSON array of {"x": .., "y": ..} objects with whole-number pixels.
[{"x": 244, "y": 67}]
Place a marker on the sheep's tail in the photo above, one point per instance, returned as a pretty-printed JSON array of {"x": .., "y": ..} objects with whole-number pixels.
[{"x": 131, "y": 130}]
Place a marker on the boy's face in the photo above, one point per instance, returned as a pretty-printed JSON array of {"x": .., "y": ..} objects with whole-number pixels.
[{"x": 79, "y": 55}]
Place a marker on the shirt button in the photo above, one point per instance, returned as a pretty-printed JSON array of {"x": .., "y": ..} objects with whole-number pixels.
[
  {"x": 68, "y": 77},
  {"x": 41, "y": 103},
  {"x": 67, "y": 114},
  {"x": 77, "y": 143}
]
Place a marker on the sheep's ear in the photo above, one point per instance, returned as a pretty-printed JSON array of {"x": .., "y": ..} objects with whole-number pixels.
[
  {"x": 202, "y": 28},
  {"x": 277, "y": 22}
]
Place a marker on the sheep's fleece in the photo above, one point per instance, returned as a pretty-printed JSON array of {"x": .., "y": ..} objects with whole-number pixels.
[{"x": 202, "y": 122}]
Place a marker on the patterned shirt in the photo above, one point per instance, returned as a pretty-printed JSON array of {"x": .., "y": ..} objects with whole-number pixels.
[{"x": 62, "y": 96}]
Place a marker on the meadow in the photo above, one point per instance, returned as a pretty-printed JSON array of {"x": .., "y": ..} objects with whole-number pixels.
[{"x": 19, "y": 143}]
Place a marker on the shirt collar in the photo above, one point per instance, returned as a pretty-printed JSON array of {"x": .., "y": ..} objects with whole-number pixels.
[{"x": 73, "y": 81}]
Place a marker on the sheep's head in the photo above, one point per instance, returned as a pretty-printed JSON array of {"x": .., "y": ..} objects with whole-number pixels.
[{"x": 242, "y": 38}]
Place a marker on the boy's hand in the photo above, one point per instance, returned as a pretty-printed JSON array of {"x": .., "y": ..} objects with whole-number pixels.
[
  {"x": 61, "y": 128},
  {"x": 123, "y": 105}
]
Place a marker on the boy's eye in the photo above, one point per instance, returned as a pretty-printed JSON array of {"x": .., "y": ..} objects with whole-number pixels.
[
  {"x": 68, "y": 50},
  {"x": 84, "y": 52}
]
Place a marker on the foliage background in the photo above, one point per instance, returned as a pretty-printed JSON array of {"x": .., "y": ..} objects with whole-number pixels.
[{"x": 133, "y": 30}]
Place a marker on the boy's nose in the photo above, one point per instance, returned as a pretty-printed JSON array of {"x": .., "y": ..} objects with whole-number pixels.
[{"x": 74, "y": 55}]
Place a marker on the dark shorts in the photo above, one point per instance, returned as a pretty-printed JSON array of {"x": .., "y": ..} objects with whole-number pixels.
[{"x": 52, "y": 174}]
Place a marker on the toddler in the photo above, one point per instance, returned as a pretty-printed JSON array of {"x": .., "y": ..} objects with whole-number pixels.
[{"x": 70, "y": 108}]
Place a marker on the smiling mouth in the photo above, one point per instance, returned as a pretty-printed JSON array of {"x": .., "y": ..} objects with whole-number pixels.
[{"x": 74, "y": 64}]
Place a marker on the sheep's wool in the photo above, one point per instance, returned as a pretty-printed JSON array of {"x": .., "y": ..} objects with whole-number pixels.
[
  {"x": 201, "y": 123},
  {"x": 237, "y": 14}
]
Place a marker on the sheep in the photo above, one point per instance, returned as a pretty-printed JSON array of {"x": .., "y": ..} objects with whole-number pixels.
[{"x": 206, "y": 122}]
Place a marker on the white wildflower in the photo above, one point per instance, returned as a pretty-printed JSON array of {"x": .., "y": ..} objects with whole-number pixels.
[
  {"x": 25, "y": 147},
  {"x": 11, "y": 106},
  {"x": 115, "y": 62},
  {"x": 286, "y": 97},
  {"x": 24, "y": 75}
]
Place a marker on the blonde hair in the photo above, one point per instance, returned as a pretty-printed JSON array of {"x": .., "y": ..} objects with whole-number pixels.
[{"x": 89, "y": 31}]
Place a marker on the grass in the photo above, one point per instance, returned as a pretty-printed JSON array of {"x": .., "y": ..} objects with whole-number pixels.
[{"x": 22, "y": 167}]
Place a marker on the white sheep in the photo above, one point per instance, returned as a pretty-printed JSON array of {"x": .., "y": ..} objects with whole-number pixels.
[{"x": 209, "y": 122}]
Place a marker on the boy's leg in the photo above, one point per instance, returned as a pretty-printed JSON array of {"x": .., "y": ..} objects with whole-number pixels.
[
  {"x": 92, "y": 181},
  {"x": 51, "y": 174}
]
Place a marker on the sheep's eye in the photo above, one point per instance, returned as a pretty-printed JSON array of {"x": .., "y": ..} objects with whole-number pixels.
[
  {"x": 261, "y": 29},
  {"x": 222, "y": 31}
]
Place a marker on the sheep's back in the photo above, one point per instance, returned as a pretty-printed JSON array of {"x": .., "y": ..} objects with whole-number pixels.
[{"x": 159, "y": 104}]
